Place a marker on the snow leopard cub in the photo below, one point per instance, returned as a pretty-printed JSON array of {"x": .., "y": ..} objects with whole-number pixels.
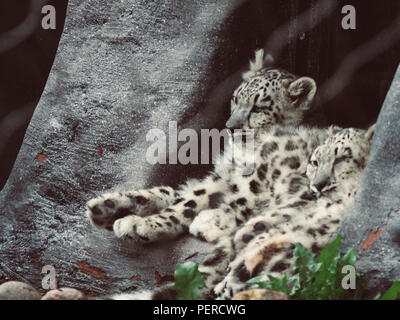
[
  {"x": 268, "y": 99},
  {"x": 320, "y": 190}
]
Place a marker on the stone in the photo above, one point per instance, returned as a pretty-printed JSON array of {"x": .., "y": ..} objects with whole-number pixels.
[
  {"x": 260, "y": 294},
  {"x": 63, "y": 294},
  {"x": 371, "y": 224},
  {"x": 15, "y": 290}
]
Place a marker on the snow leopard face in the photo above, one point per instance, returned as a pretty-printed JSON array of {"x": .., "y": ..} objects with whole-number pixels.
[
  {"x": 341, "y": 159},
  {"x": 268, "y": 97}
]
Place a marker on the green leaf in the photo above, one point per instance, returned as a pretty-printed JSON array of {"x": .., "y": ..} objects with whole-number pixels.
[
  {"x": 275, "y": 284},
  {"x": 256, "y": 280},
  {"x": 304, "y": 258},
  {"x": 188, "y": 281},
  {"x": 295, "y": 284},
  {"x": 306, "y": 266},
  {"x": 378, "y": 296},
  {"x": 330, "y": 255},
  {"x": 349, "y": 258},
  {"x": 326, "y": 280},
  {"x": 259, "y": 282},
  {"x": 393, "y": 292},
  {"x": 305, "y": 262}
]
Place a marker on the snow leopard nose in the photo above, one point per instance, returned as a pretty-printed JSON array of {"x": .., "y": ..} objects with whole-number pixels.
[
  {"x": 234, "y": 123},
  {"x": 238, "y": 118},
  {"x": 230, "y": 124}
]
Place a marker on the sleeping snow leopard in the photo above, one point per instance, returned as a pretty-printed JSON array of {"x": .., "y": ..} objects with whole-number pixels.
[
  {"x": 256, "y": 218},
  {"x": 322, "y": 188}
]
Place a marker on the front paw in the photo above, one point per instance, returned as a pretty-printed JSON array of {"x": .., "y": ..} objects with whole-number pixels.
[
  {"x": 132, "y": 228},
  {"x": 211, "y": 225},
  {"x": 105, "y": 210}
]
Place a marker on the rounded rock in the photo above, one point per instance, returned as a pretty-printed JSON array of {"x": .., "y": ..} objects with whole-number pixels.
[
  {"x": 15, "y": 290},
  {"x": 260, "y": 294},
  {"x": 63, "y": 294}
]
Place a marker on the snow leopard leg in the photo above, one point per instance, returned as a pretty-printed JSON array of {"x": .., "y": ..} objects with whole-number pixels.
[
  {"x": 213, "y": 224},
  {"x": 104, "y": 210},
  {"x": 263, "y": 253},
  {"x": 214, "y": 266},
  {"x": 263, "y": 244},
  {"x": 175, "y": 220}
]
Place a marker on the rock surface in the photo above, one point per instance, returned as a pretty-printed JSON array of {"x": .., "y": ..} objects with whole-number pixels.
[
  {"x": 15, "y": 290},
  {"x": 371, "y": 225}
]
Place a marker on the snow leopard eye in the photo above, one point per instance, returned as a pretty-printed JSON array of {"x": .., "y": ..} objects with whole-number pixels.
[
  {"x": 342, "y": 159},
  {"x": 314, "y": 163},
  {"x": 257, "y": 109}
]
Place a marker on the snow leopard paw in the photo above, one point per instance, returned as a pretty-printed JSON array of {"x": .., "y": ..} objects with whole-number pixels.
[
  {"x": 211, "y": 225},
  {"x": 106, "y": 209},
  {"x": 133, "y": 228}
]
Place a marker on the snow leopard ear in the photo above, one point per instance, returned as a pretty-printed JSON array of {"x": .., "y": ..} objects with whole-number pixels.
[
  {"x": 258, "y": 64},
  {"x": 302, "y": 91},
  {"x": 370, "y": 133},
  {"x": 332, "y": 130}
]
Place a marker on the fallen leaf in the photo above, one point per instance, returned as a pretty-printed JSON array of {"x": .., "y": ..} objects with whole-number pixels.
[
  {"x": 92, "y": 271},
  {"x": 101, "y": 152},
  {"x": 372, "y": 237},
  {"x": 162, "y": 279},
  {"x": 157, "y": 277},
  {"x": 41, "y": 157},
  {"x": 136, "y": 277}
]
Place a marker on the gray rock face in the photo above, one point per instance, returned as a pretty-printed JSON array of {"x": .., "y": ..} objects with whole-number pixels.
[
  {"x": 15, "y": 290},
  {"x": 122, "y": 68},
  {"x": 371, "y": 225}
]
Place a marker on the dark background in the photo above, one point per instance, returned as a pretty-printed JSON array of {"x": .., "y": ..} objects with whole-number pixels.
[
  {"x": 23, "y": 74},
  {"x": 24, "y": 69}
]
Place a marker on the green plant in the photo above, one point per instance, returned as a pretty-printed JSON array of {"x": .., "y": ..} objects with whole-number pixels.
[
  {"x": 188, "y": 281},
  {"x": 392, "y": 294},
  {"x": 317, "y": 278},
  {"x": 313, "y": 278}
]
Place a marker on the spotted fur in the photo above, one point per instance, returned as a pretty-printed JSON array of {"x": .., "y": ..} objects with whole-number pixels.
[
  {"x": 254, "y": 218},
  {"x": 309, "y": 213}
]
